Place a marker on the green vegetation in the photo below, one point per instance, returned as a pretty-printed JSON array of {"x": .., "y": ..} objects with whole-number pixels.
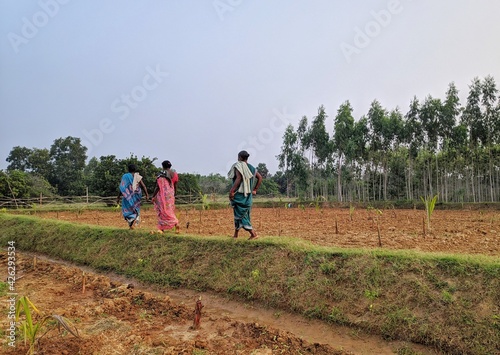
[
  {"x": 450, "y": 302},
  {"x": 429, "y": 204},
  {"x": 31, "y": 326}
]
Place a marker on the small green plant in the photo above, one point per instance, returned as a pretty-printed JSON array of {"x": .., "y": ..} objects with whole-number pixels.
[
  {"x": 447, "y": 297},
  {"x": 336, "y": 316},
  {"x": 371, "y": 294},
  {"x": 328, "y": 268},
  {"x": 317, "y": 202},
  {"x": 30, "y": 327},
  {"x": 351, "y": 211},
  {"x": 205, "y": 203},
  {"x": 429, "y": 204},
  {"x": 255, "y": 275}
]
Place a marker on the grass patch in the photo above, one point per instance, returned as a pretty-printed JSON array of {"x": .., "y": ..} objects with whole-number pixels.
[{"x": 450, "y": 302}]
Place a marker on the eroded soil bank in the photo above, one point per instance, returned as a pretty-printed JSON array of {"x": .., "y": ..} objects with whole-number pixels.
[{"x": 114, "y": 315}]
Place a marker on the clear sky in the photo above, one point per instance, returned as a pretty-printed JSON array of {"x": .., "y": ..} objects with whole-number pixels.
[{"x": 194, "y": 82}]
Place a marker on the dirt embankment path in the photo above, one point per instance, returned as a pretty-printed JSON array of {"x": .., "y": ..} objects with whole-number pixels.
[{"x": 114, "y": 315}]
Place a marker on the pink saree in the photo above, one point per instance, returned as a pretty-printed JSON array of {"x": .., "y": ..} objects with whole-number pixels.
[{"x": 164, "y": 203}]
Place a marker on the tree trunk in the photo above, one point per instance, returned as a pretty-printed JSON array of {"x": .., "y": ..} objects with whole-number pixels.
[{"x": 339, "y": 181}]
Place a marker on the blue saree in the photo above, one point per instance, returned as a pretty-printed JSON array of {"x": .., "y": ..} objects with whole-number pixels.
[{"x": 131, "y": 199}]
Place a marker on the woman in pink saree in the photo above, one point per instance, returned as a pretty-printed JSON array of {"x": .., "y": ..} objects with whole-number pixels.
[{"x": 164, "y": 198}]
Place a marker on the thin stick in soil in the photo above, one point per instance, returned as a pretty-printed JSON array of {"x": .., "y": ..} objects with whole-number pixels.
[{"x": 378, "y": 232}]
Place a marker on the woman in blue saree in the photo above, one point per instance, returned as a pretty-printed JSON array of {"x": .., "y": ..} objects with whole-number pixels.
[
  {"x": 242, "y": 191},
  {"x": 131, "y": 187}
]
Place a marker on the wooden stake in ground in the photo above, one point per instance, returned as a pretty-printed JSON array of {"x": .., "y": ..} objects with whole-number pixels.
[
  {"x": 197, "y": 314},
  {"x": 199, "y": 228},
  {"x": 34, "y": 263},
  {"x": 378, "y": 231},
  {"x": 83, "y": 282}
]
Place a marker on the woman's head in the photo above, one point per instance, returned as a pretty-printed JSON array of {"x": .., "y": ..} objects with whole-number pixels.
[
  {"x": 243, "y": 155},
  {"x": 166, "y": 164},
  {"x": 132, "y": 168}
]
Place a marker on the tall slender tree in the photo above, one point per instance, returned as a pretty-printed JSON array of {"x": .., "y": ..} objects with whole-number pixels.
[{"x": 342, "y": 140}]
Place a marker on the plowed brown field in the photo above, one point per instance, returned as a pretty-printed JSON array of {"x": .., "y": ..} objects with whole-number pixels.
[{"x": 452, "y": 231}]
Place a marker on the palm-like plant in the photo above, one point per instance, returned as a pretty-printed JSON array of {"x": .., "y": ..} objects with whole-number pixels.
[
  {"x": 31, "y": 328},
  {"x": 429, "y": 203}
]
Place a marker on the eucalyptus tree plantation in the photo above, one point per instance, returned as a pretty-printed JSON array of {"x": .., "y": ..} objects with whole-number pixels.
[{"x": 437, "y": 147}]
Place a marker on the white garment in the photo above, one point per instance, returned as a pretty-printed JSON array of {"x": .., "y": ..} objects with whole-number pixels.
[
  {"x": 137, "y": 180},
  {"x": 246, "y": 174}
]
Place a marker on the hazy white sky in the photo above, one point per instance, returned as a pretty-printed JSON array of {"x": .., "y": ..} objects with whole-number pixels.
[{"x": 197, "y": 81}]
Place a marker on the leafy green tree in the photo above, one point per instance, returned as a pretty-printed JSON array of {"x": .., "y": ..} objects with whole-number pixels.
[
  {"x": 376, "y": 119},
  {"x": 472, "y": 118},
  {"x": 291, "y": 160},
  {"x": 39, "y": 162},
  {"x": 490, "y": 113},
  {"x": 342, "y": 140},
  {"x": 491, "y": 118},
  {"x": 14, "y": 184},
  {"x": 319, "y": 139},
  {"x": 449, "y": 119},
  {"x": 263, "y": 170},
  {"x": 214, "y": 184},
  {"x": 38, "y": 185},
  {"x": 188, "y": 184},
  {"x": 269, "y": 187},
  {"x": 431, "y": 118},
  {"x": 18, "y": 158},
  {"x": 104, "y": 178},
  {"x": 392, "y": 142},
  {"x": 357, "y": 156},
  {"x": 321, "y": 147},
  {"x": 412, "y": 138},
  {"x": 68, "y": 157},
  {"x": 281, "y": 181},
  {"x": 450, "y": 113}
]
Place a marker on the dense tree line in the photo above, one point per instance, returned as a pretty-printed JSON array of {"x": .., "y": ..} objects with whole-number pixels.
[
  {"x": 438, "y": 147},
  {"x": 62, "y": 170}
]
